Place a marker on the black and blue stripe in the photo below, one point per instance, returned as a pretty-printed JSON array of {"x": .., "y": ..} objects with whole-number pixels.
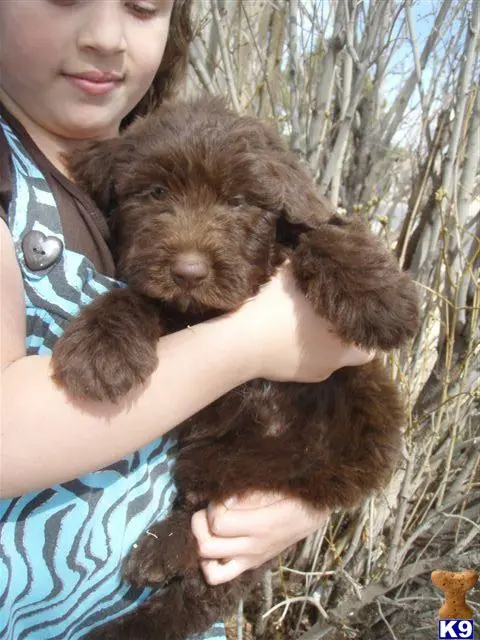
[{"x": 61, "y": 549}]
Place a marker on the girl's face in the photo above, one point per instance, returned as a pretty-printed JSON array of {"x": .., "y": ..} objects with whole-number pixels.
[{"x": 76, "y": 68}]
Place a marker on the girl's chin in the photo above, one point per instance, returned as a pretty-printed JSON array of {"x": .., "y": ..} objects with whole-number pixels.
[
  {"x": 91, "y": 121},
  {"x": 89, "y": 129}
]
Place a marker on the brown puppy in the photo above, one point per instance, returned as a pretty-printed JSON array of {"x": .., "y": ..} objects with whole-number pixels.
[{"x": 205, "y": 205}]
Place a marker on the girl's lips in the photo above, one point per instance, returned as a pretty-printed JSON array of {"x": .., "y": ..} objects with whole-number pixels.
[{"x": 95, "y": 87}]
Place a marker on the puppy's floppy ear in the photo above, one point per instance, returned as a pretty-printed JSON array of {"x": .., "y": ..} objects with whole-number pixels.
[
  {"x": 288, "y": 233},
  {"x": 301, "y": 209},
  {"x": 96, "y": 167}
]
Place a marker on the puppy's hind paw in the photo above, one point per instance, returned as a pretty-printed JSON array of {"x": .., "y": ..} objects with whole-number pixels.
[{"x": 165, "y": 550}]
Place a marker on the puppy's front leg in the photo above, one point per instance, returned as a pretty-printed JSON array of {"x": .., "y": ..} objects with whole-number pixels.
[
  {"x": 353, "y": 281},
  {"x": 109, "y": 348}
]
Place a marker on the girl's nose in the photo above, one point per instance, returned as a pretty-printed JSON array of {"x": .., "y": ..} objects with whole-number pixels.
[{"x": 103, "y": 28}]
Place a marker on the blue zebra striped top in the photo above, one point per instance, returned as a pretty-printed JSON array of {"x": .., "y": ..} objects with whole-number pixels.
[{"x": 61, "y": 548}]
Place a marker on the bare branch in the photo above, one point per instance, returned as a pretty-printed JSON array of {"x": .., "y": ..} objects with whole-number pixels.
[
  {"x": 225, "y": 56},
  {"x": 294, "y": 69},
  {"x": 394, "y": 116}
]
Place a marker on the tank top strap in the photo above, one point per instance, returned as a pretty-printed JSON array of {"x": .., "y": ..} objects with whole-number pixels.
[{"x": 58, "y": 282}]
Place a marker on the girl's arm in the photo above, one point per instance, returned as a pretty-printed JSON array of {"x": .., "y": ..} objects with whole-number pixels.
[{"x": 47, "y": 437}]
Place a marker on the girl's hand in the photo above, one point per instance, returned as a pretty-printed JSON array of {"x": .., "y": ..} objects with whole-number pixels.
[
  {"x": 245, "y": 533},
  {"x": 287, "y": 339}
]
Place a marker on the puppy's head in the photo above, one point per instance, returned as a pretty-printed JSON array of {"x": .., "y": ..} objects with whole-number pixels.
[{"x": 204, "y": 204}]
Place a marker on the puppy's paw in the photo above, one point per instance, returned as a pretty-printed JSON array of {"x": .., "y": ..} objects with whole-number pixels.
[
  {"x": 165, "y": 550},
  {"x": 108, "y": 349},
  {"x": 353, "y": 281}
]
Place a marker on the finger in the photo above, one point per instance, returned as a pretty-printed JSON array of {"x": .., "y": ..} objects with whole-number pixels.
[
  {"x": 252, "y": 500},
  {"x": 231, "y": 517},
  {"x": 236, "y": 522},
  {"x": 218, "y": 572},
  {"x": 214, "y": 547}
]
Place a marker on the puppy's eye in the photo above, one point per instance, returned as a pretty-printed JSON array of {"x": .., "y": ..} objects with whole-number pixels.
[
  {"x": 158, "y": 191},
  {"x": 236, "y": 201}
]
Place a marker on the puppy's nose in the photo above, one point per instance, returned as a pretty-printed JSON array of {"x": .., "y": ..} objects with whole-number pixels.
[{"x": 189, "y": 268}]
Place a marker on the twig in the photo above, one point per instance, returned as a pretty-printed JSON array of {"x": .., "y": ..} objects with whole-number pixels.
[
  {"x": 229, "y": 75},
  {"x": 294, "y": 68},
  {"x": 289, "y": 601},
  {"x": 196, "y": 60},
  {"x": 379, "y": 607},
  {"x": 240, "y": 620}
]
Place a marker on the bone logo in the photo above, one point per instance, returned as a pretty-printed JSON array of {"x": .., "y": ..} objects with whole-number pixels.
[{"x": 455, "y": 616}]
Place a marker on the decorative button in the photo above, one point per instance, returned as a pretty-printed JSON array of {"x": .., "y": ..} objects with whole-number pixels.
[{"x": 40, "y": 251}]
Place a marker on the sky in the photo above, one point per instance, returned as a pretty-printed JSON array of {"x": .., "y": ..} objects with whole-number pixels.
[{"x": 402, "y": 62}]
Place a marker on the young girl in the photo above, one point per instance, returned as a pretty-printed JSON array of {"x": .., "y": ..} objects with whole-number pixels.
[{"x": 81, "y": 481}]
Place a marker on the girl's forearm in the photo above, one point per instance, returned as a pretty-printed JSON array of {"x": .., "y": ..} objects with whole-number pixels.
[{"x": 46, "y": 439}]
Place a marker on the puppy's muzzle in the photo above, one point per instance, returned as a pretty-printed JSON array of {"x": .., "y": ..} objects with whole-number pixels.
[{"x": 189, "y": 269}]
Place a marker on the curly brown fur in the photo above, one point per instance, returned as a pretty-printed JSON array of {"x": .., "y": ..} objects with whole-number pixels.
[{"x": 205, "y": 205}]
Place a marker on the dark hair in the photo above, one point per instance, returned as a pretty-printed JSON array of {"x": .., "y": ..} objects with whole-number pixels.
[{"x": 173, "y": 67}]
